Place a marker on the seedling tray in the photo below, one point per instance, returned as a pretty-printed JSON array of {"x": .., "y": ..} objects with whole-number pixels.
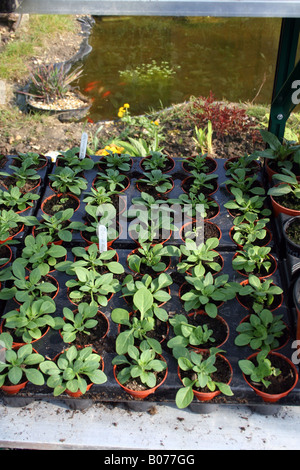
[{"x": 232, "y": 312}]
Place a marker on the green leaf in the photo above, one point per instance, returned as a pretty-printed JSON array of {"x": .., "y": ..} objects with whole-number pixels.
[{"x": 143, "y": 300}]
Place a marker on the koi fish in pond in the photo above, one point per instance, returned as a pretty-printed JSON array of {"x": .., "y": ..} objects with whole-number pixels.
[
  {"x": 91, "y": 86},
  {"x": 107, "y": 93}
]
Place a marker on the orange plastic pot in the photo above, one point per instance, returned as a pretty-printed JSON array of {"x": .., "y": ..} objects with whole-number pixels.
[
  {"x": 13, "y": 236},
  {"x": 189, "y": 225},
  {"x": 14, "y": 389},
  {"x": 219, "y": 319},
  {"x": 17, "y": 344},
  {"x": 189, "y": 178},
  {"x": 268, "y": 235},
  {"x": 207, "y": 396},
  {"x": 268, "y": 397},
  {"x": 247, "y": 318},
  {"x": 58, "y": 195},
  {"x": 261, "y": 277},
  {"x": 166, "y": 192},
  {"x": 141, "y": 394},
  {"x": 279, "y": 209},
  {"x": 9, "y": 258}
]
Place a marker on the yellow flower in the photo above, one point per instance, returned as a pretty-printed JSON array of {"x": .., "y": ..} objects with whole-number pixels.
[
  {"x": 156, "y": 122},
  {"x": 120, "y": 114},
  {"x": 126, "y": 105}
]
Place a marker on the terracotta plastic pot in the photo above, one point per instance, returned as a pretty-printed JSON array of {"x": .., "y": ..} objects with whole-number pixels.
[
  {"x": 189, "y": 225},
  {"x": 141, "y": 394},
  {"x": 207, "y": 396},
  {"x": 207, "y": 159},
  {"x": 274, "y": 262},
  {"x": 158, "y": 194},
  {"x": 217, "y": 319},
  {"x": 270, "y": 172},
  {"x": 31, "y": 190},
  {"x": 72, "y": 196},
  {"x": 14, "y": 389},
  {"x": 109, "y": 242},
  {"x": 269, "y": 237},
  {"x": 268, "y": 397},
  {"x": 209, "y": 193},
  {"x": 17, "y": 344},
  {"x": 13, "y": 236},
  {"x": 9, "y": 256},
  {"x": 279, "y": 209},
  {"x": 135, "y": 251},
  {"x": 292, "y": 247},
  {"x": 170, "y": 160},
  {"x": 240, "y": 299}
]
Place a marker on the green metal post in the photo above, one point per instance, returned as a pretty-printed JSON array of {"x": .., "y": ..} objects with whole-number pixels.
[{"x": 285, "y": 74}]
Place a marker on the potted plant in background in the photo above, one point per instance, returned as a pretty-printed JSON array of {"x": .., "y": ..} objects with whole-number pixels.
[{"x": 285, "y": 197}]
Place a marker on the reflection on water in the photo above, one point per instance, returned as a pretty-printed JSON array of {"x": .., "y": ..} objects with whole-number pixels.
[{"x": 232, "y": 57}]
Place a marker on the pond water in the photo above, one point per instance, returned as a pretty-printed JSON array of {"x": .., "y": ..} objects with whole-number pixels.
[{"x": 233, "y": 57}]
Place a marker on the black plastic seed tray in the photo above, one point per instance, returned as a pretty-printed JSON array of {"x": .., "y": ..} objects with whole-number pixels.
[{"x": 223, "y": 220}]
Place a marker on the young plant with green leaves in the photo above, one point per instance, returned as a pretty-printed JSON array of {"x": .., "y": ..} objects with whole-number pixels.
[
  {"x": 91, "y": 259},
  {"x": 155, "y": 161},
  {"x": 105, "y": 216},
  {"x": 196, "y": 205},
  {"x": 245, "y": 204},
  {"x": 247, "y": 184},
  {"x": 151, "y": 256},
  {"x": 80, "y": 321},
  {"x": 70, "y": 159},
  {"x": 201, "y": 368},
  {"x": 36, "y": 160},
  {"x": 188, "y": 334},
  {"x": 99, "y": 196},
  {"x": 31, "y": 320},
  {"x": 197, "y": 163},
  {"x": 247, "y": 229},
  {"x": 58, "y": 226},
  {"x": 14, "y": 199},
  {"x": 21, "y": 175},
  {"x": 158, "y": 288},
  {"x": 202, "y": 183},
  {"x": 260, "y": 371},
  {"x": 207, "y": 292},
  {"x": 262, "y": 292},
  {"x": 10, "y": 221},
  {"x": 19, "y": 365},
  {"x": 73, "y": 370},
  {"x": 65, "y": 180},
  {"x": 200, "y": 257},
  {"x": 111, "y": 180},
  {"x": 91, "y": 286},
  {"x": 27, "y": 288},
  {"x": 245, "y": 162},
  {"x": 203, "y": 138},
  {"x": 142, "y": 365},
  {"x": 157, "y": 180},
  {"x": 116, "y": 161},
  {"x": 40, "y": 252},
  {"x": 253, "y": 259},
  {"x": 284, "y": 154},
  {"x": 261, "y": 330}
]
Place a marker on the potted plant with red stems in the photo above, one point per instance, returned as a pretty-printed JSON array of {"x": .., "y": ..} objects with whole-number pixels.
[
  {"x": 24, "y": 177},
  {"x": 291, "y": 233},
  {"x": 141, "y": 371},
  {"x": 203, "y": 373},
  {"x": 271, "y": 375},
  {"x": 207, "y": 292},
  {"x": 249, "y": 163},
  {"x": 157, "y": 161},
  {"x": 261, "y": 330},
  {"x": 202, "y": 257},
  {"x": 19, "y": 366},
  {"x": 202, "y": 163},
  {"x": 254, "y": 259},
  {"x": 74, "y": 371},
  {"x": 279, "y": 156},
  {"x": 259, "y": 294},
  {"x": 247, "y": 229},
  {"x": 285, "y": 196}
]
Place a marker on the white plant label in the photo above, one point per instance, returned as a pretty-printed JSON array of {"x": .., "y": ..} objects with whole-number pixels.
[
  {"x": 102, "y": 237},
  {"x": 83, "y": 145}
]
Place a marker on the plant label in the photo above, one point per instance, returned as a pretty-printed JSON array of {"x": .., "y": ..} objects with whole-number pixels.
[
  {"x": 102, "y": 237},
  {"x": 83, "y": 145}
]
